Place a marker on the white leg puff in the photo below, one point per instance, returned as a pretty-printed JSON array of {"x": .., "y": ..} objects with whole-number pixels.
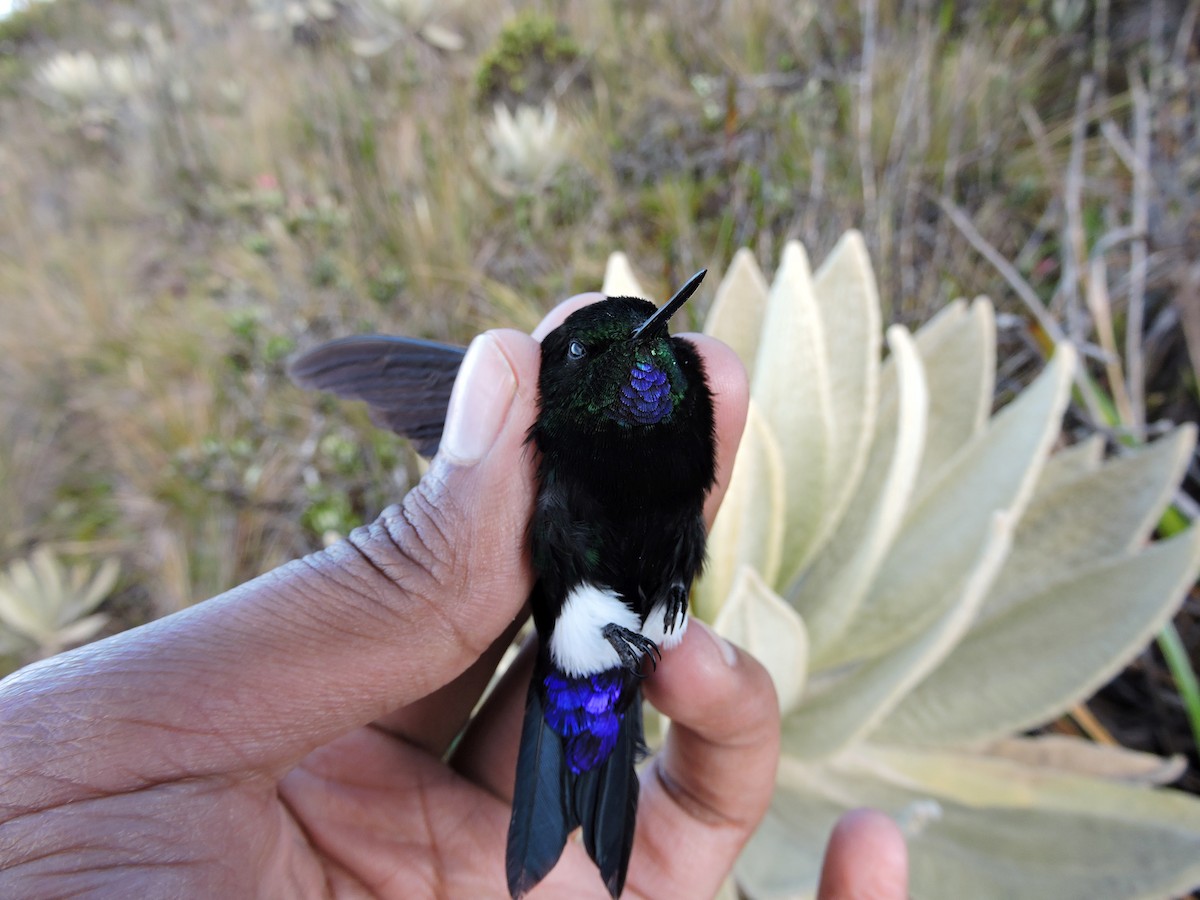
[
  {"x": 661, "y": 632},
  {"x": 578, "y": 646}
]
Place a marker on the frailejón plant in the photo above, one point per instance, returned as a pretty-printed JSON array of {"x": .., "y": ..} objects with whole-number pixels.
[{"x": 926, "y": 582}]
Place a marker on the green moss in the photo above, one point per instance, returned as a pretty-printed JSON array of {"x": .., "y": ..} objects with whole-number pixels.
[
  {"x": 330, "y": 511},
  {"x": 258, "y": 243},
  {"x": 277, "y": 348},
  {"x": 324, "y": 271},
  {"x": 13, "y": 72},
  {"x": 387, "y": 284},
  {"x": 529, "y": 54},
  {"x": 85, "y": 509}
]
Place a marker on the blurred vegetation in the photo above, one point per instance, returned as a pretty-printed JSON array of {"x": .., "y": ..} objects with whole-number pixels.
[
  {"x": 192, "y": 191},
  {"x": 530, "y": 54}
]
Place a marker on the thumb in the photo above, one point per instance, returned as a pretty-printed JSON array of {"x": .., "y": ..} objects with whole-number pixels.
[
  {"x": 255, "y": 678},
  {"x": 450, "y": 560}
]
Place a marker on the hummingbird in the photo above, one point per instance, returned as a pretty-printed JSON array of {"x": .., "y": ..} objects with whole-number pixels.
[{"x": 626, "y": 457}]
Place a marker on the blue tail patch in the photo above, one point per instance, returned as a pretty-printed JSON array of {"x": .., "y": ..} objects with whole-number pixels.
[{"x": 586, "y": 712}]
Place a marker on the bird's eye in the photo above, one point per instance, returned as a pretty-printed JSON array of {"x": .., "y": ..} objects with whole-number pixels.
[{"x": 576, "y": 350}]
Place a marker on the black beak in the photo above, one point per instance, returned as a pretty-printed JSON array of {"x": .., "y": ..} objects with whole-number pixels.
[{"x": 658, "y": 321}]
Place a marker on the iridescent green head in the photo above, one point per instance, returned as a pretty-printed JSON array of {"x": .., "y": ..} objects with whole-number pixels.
[{"x": 613, "y": 365}]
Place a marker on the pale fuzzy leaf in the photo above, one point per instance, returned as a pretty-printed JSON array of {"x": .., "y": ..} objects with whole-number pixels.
[
  {"x": 1071, "y": 463},
  {"x": 944, "y": 322},
  {"x": 21, "y": 608},
  {"x": 758, "y": 621},
  {"x": 13, "y": 613},
  {"x": 959, "y": 354},
  {"x": 654, "y": 727},
  {"x": 322, "y": 10},
  {"x": 504, "y": 128},
  {"x": 50, "y": 577},
  {"x": 969, "y": 777},
  {"x": 992, "y": 828},
  {"x": 22, "y": 578},
  {"x": 939, "y": 540},
  {"x": 619, "y": 280},
  {"x": 782, "y": 860},
  {"x": 848, "y": 302},
  {"x": 1065, "y": 753},
  {"x": 11, "y": 641},
  {"x": 829, "y": 593},
  {"x": 1049, "y": 651},
  {"x": 375, "y": 45},
  {"x": 442, "y": 38},
  {"x": 527, "y": 146},
  {"x": 39, "y": 596},
  {"x": 1162, "y": 462},
  {"x": 853, "y": 705},
  {"x": 1094, "y": 516},
  {"x": 77, "y": 632},
  {"x": 77, "y": 578},
  {"x": 89, "y": 590},
  {"x": 749, "y": 527},
  {"x": 736, "y": 314},
  {"x": 792, "y": 389}
]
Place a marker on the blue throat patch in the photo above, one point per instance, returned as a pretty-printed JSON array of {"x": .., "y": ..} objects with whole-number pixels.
[
  {"x": 646, "y": 399},
  {"x": 583, "y": 712}
]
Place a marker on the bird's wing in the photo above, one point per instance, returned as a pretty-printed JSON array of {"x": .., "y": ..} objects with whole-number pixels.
[{"x": 405, "y": 382}]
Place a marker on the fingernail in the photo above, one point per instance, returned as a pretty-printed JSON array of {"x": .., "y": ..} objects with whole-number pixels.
[
  {"x": 728, "y": 651},
  {"x": 479, "y": 403}
]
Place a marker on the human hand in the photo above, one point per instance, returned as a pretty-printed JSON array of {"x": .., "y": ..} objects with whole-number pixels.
[{"x": 288, "y": 737}]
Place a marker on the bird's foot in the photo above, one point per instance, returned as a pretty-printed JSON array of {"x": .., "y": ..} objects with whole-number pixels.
[
  {"x": 631, "y": 647},
  {"x": 675, "y": 608}
]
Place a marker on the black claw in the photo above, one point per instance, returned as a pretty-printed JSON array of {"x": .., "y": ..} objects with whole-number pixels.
[
  {"x": 632, "y": 647},
  {"x": 676, "y": 604}
]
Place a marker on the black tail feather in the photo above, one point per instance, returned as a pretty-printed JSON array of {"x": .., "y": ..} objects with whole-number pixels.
[
  {"x": 542, "y": 819},
  {"x": 549, "y": 801},
  {"x": 607, "y": 808}
]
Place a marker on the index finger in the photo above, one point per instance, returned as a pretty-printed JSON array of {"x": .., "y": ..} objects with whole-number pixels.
[{"x": 706, "y": 792}]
